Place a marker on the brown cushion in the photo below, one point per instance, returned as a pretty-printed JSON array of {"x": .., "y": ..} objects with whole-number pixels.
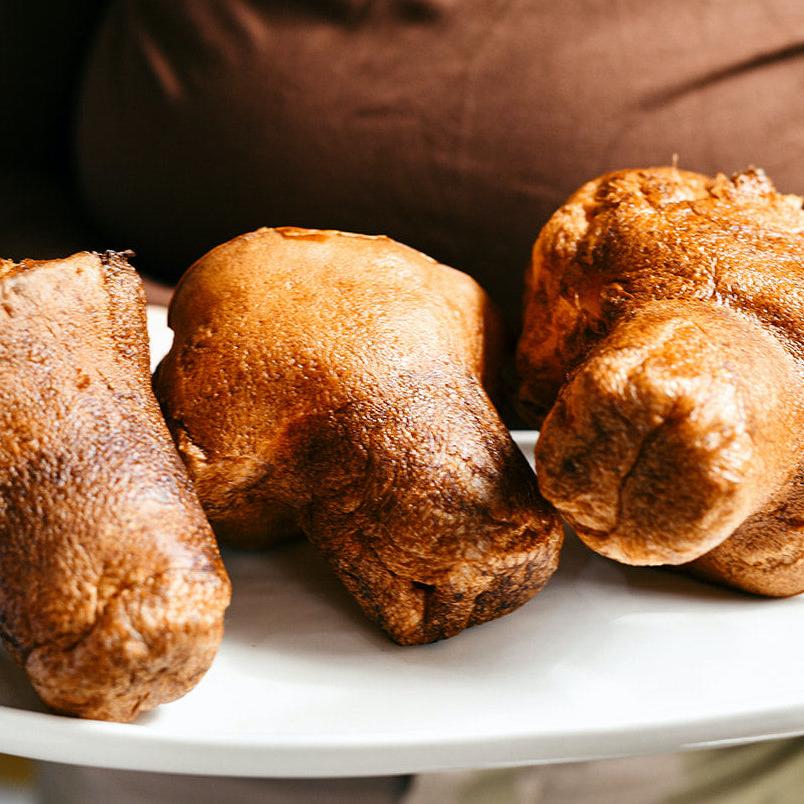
[
  {"x": 456, "y": 126},
  {"x": 42, "y": 46}
]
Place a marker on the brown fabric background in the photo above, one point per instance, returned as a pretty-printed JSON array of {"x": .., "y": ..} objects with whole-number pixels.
[
  {"x": 42, "y": 46},
  {"x": 456, "y": 126},
  {"x": 42, "y": 49}
]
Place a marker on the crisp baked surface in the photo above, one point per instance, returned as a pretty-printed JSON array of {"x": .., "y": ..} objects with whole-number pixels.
[
  {"x": 664, "y": 344},
  {"x": 112, "y": 591},
  {"x": 332, "y": 384}
]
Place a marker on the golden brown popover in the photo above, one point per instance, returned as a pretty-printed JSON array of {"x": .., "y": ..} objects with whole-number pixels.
[
  {"x": 333, "y": 384},
  {"x": 663, "y": 349},
  {"x": 112, "y": 591}
]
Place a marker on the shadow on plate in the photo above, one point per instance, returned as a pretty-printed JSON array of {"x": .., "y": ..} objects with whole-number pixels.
[
  {"x": 288, "y": 597},
  {"x": 291, "y": 592},
  {"x": 15, "y": 689},
  {"x": 578, "y": 561}
]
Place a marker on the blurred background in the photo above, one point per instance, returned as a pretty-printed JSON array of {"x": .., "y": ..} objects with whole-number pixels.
[{"x": 168, "y": 126}]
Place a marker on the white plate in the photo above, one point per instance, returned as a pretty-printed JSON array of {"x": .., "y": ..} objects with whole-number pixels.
[{"x": 607, "y": 661}]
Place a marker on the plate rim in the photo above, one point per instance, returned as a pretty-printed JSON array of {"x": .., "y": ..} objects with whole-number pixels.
[{"x": 54, "y": 738}]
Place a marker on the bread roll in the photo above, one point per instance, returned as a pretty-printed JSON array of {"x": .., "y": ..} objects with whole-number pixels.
[
  {"x": 112, "y": 591},
  {"x": 665, "y": 311},
  {"x": 335, "y": 384}
]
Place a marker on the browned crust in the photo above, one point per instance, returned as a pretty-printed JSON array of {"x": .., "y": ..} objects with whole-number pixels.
[
  {"x": 112, "y": 591},
  {"x": 333, "y": 384},
  {"x": 668, "y": 309}
]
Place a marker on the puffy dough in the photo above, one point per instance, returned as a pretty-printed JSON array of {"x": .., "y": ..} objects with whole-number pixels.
[
  {"x": 665, "y": 311},
  {"x": 334, "y": 384},
  {"x": 112, "y": 591}
]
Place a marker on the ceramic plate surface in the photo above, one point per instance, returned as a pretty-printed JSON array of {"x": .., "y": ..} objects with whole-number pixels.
[{"x": 608, "y": 660}]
